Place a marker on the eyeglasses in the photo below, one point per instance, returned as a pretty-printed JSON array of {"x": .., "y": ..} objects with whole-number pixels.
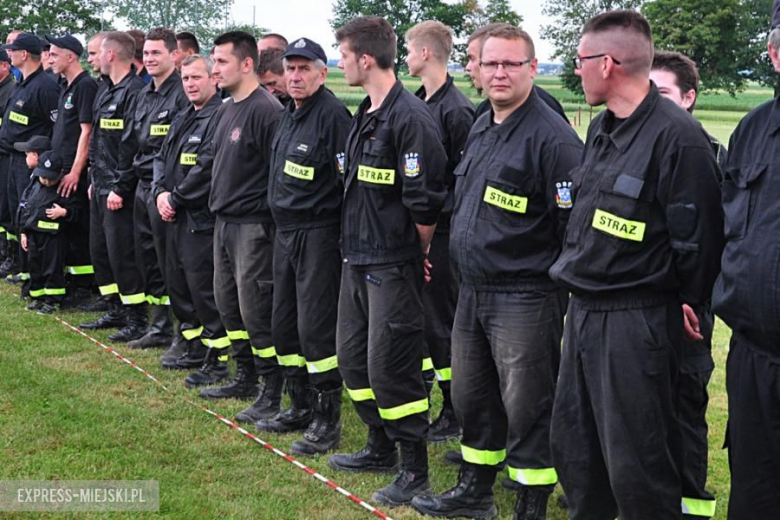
[
  {"x": 509, "y": 66},
  {"x": 577, "y": 60}
]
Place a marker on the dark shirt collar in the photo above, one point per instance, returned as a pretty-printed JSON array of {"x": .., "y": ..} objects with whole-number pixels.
[
  {"x": 305, "y": 108},
  {"x": 29, "y": 78},
  {"x": 774, "y": 121},
  {"x": 169, "y": 83},
  {"x": 438, "y": 95},
  {"x": 82, "y": 75},
  {"x": 381, "y": 112},
  {"x": 506, "y": 128},
  {"x": 125, "y": 80},
  {"x": 214, "y": 103},
  {"x": 624, "y": 135}
]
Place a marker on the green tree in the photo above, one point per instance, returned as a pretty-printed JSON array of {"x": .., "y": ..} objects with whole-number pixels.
[
  {"x": 50, "y": 16},
  {"x": 705, "y": 31},
  {"x": 570, "y": 16},
  {"x": 753, "y": 26},
  {"x": 501, "y": 11},
  {"x": 402, "y": 14}
]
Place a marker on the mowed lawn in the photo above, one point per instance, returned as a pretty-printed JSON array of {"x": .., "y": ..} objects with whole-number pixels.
[{"x": 70, "y": 411}]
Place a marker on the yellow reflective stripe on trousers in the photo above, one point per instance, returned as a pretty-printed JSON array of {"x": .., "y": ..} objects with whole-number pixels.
[
  {"x": 264, "y": 352},
  {"x": 105, "y": 290},
  {"x": 323, "y": 365},
  {"x": 533, "y": 477},
  {"x": 133, "y": 299},
  {"x": 192, "y": 333},
  {"x": 361, "y": 394},
  {"x": 162, "y": 300},
  {"x": 238, "y": 334},
  {"x": 22, "y": 276},
  {"x": 80, "y": 269},
  {"x": 482, "y": 457},
  {"x": 218, "y": 343},
  {"x": 404, "y": 410},
  {"x": 37, "y": 293},
  {"x": 55, "y": 292},
  {"x": 698, "y": 507},
  {"x": 444, "y": 374},
  {"x": 427, "y": 364},
  {"x": 2, "y": 230},
  {"x": 11, "y": 236},
  {"x": 291, "y": 360}
]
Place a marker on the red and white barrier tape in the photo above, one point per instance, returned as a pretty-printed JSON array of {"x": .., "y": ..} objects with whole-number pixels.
[{"x": 234, "y": 426}]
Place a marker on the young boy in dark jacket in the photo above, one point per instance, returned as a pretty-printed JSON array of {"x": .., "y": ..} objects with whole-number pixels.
[{"x": 40, "y": 215}]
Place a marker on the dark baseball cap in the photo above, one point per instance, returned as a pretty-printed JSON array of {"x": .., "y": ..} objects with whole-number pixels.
[
  {"x": 306, "y": 48},
  {"x": 4, "y": 56},
  {"x": 67, "y": 42},
  {"x": 49, "y": 165},
  {"x": 26, "y": 42},
  {"x": 37, "y": 143}
]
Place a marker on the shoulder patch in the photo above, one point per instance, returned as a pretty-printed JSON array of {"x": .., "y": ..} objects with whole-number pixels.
[
  {"x": 563, "y": 195},
  {"x": 412, "y": 165},
  {"x": 340, "y": 160}
]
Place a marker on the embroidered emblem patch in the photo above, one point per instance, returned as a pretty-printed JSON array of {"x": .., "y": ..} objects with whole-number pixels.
[
  {"x": 411, "y": 165},
  {"x": 563, "y": 196}
]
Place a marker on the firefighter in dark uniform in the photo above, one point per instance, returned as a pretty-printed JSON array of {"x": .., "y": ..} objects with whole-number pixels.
[
  {"x": 429, "y": 47},
  {"x": 746, "y": 298},
  {"x": 70, "y": 139},
  {"x": 157, "y": 106},
  {"x": 111, "y": 190},
  {"x": 512, "y": 188},
  {"x": 677, "y": 79},
  {"x": 181, "y": 188},
  {"x": 30, "y": 110},
  {"x": 305, "y": 189},
  {"x": 644, "y": 237},
  {"x": 395, "y": 189},
  {"x": 7, "y": 85}
]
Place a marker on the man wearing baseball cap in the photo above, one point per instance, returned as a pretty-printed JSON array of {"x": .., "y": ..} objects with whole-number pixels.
[
  {"x": 31, "y": 110},
  {"x": 70, "y": 138},
  {"x": 304, "y": 193}
]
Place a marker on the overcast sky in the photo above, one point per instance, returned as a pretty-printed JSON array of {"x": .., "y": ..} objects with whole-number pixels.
[{"x": 310, "y": 18}]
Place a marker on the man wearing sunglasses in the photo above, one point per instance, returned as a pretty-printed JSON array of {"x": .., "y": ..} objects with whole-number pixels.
[
  {"x": 512, "y": 202},
  {"x": 644, "y": 238}
]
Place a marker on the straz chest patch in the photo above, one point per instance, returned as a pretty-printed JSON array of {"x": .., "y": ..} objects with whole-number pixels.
[
  {"x": 305, "y": 173},
  {"x": 506, "y": 201},
  {"x": 618, "y": 227},
  {"x": 188, "y": 159},
  {"x": 412, "y": 165},
  {"x": 159, "y": 130},
  {"x": 235, "y": 135},
  {"x": 341, "y": 162},
  {"x": 563, "y": 195},
  {"x": 375, "y": 175},
  {"x": 112, "y": 124}
]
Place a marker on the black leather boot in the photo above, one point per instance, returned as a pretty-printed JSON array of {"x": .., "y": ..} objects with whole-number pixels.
[
  {"x": 531, "y": 502},
  {"x": 244, "y": 386},
  {"x": 472, "y": 496},
  {"x": 268, "y": 400},
  {"x": 412, "y": 480},
  {"x": 194, "y": 356},
  {"x": 115, "y": 318},
  {"x": 159, "y": 333},
  {"x": 213, "y": 371},
  {"x": 295, "y": 418},
  {"x": 177, "y": 349},
  {"x": 137, "y": 321},
  {"x": 324, "y": 431},
  {"x": 378, "y": 456},
  {"x": 445, "y": 426}
]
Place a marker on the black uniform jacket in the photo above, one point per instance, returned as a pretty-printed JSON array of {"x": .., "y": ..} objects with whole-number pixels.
[
  {"x": 154, "y": 112},
  {"x": 454, "y": 113},
  {"x": 747, "y": 293},
  {"x": 31, "y": 110},
  {"x": 36, "y": 199},
  {"x": 512, "y": 198},
  {"x": 306, "y": 180},
  {"x": 396, "y": 178},
  {"x": 113, "y": 138},
  {"x": 646, "y": 214},
  {"x": 178, "y": 170}
]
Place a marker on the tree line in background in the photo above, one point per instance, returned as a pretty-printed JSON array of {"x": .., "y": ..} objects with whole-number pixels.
[{"x": 726, "y": 38}]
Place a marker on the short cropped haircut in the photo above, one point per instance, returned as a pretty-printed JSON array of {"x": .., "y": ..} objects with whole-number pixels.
[
  {"x": 207, "y": 62},
  {"x": 684, "y": 69},
  {"x": 636, "y": 38},
  {"x": 122, "y": 44},
  {"x": 188, "y": 41},
  {"x": 509, "y": 32},
  {"x": 482, "y": 32},
  {"x": 433, "y": 35},
  {"x": 370, "y": 35},
  {"x": 283, "y": 43},
  {"x": 270, "y": 60},
  {"x": 165, "y": 35},
  {"x": 139, "y": 38},
  {"x": 244, "y": 45}
]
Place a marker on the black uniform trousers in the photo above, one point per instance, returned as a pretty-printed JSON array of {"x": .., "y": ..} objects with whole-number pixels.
[
  {"x": 46, "y": 261},
  {"x": 753, "y": 435},
  {"x": 112, "y": 250},
  {"x": 307, "y": 276},
  {"x": 505, "y": 353},
  {"x": 243, "y": 290},
  {"x": 18, "y": 180},
  {"x": 149, "y": 230},
  {"x": 695, "y": 372},
  {"x": 6, "y": 222},
  {"x": 80, "y": 272},
  {"x": 440, "y": 298},
  {"x": 379, "y": 340},
  {"x": 615, "y": 431},
  {"x": 190, "y": 274}
]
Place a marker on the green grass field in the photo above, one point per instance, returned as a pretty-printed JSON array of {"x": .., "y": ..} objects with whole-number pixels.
[{"x": 70, "y": 411}]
